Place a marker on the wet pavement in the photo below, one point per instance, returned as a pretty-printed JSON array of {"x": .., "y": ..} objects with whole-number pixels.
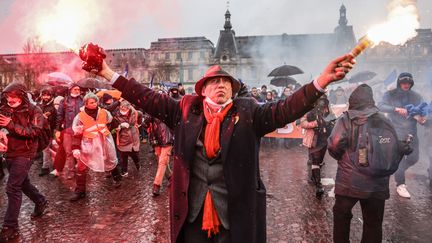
[{"x": 131, "y": 214}]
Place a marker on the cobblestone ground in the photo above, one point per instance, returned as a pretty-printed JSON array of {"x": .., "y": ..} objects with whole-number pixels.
[{"x": 131, "y": 214}]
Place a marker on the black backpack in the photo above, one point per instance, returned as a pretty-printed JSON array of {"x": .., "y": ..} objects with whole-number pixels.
[{"x": 374, "y": 148}]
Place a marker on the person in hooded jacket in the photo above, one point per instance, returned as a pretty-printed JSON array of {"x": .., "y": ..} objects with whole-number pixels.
[
  {"x": 96, "y": 148},
  {"x": 161, "y": 139},
  {"x": 318, "y": 124},
  {"x": 351, "y": 185},
  {"x": 108, "y": 103},
  {"x": 125, "y": 123},
  {"x": 393, "y": 103},
  {"x": 174, "y": 93},
  {"x": 68, "y": 109},
  {"x": 23, "y": 122},
  {"x": 46, "y": 103}
]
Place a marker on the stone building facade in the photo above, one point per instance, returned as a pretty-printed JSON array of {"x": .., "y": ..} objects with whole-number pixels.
[{"x": 251, "y": 58}]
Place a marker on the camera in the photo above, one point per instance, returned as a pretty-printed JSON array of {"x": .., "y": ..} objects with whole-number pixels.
[{"x": 92, "y": 56}]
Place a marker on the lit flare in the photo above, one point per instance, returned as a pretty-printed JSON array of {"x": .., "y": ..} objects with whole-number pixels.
[{"x": 402, "y": 22}]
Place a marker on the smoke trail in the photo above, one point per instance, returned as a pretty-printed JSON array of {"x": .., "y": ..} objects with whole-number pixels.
[
  {"x": 402, "y": 22},
  {"x": 63, "y": 24}
]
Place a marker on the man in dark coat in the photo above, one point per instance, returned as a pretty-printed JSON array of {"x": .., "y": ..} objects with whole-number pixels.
[
  {"x": 255, "y": 95},
  {"x": 351, "y": 184},
  {"x": 393, "y": 103},
  {"x": 50, "y": 113},
  {"x": 23, "y": 122},
  {"x": 68, "y": 109},
  {"x": 217, "y": 194}
]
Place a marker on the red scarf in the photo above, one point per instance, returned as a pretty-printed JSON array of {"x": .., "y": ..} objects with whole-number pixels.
[
  {"x": 212, "y": 131},
  {"x": 214, "y": 119}
]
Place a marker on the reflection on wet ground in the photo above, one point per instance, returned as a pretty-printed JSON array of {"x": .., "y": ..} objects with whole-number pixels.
[{"x": 130, "y": 213}]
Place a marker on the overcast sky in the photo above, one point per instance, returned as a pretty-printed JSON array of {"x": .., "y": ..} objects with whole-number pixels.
[{"x": 136, "y": 23}]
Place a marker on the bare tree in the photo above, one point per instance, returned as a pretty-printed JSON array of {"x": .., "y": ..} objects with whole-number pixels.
[
  {"x": 33, "y": 62},
  {"x": 163, "y": 71}
]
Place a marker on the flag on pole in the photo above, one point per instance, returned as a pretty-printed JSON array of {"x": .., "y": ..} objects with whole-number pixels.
[
  {"x": 151, "y": 81},
  {"x": 390, "y": 78}
]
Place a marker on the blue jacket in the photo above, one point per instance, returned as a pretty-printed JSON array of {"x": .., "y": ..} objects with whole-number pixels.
[
  {"x": 67, "y": 111},
  {"x": 400, "y": 98}
]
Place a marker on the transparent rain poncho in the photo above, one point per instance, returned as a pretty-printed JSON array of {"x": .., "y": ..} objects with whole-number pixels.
[{"x": 97, "y": 153}]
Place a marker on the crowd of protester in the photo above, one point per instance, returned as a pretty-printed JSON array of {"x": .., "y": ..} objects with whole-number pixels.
[{"x": 101, "y": 132}]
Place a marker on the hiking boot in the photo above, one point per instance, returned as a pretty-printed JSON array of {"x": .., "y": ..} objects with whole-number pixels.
[
  {"x": 8, "y": 234},
  {"x": 77, "y": 196},
  {"x": 319, "y": 192},
  {"x": 44, "y": 171},
  {"x": 156, "y": 190},
  {"x": 402, "y": 191},
  {"x": 40, "y": 209}
]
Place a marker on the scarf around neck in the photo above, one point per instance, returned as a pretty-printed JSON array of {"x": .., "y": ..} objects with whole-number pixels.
[{"x": 214, "y": 115}]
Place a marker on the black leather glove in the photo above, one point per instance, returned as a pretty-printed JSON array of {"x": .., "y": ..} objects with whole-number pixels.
[{"x": 405, "y": 148}]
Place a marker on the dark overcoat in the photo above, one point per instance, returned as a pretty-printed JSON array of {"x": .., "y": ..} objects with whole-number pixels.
[{"x": 241, "y": 131}]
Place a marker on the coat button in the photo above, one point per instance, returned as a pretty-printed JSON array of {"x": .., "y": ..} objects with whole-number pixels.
[
  {"x": 176, "y": 217},
  {"x": 184, "y": 194}
]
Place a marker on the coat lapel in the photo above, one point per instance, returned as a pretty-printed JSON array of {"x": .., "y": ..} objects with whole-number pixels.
[
  {"x": 194, "y": 128},
  {"x": 227, "y": 131}
]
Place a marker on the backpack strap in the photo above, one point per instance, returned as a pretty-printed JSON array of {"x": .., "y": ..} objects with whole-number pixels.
[
  {"x": 363, "y": 136},
  {"x": 348, "y": 126}
]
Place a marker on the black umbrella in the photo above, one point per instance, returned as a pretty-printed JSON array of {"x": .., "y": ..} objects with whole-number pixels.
[
  {"x": 282, "y": 81},
  {"x": 285, "y": 70},
  {"x": 92, "y": 83},
  {"x": 362, "y": 77}
]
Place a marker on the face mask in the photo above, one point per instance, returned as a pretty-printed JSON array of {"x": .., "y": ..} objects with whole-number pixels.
[
  {"x": 15, "y": 105},
  {"x": 124, "y": 113},
  {"x": 74, "y": 95}
]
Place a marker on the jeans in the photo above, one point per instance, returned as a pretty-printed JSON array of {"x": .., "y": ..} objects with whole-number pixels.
[
  {"x": 406, "y": 162},
  {"x": 163, "y": 154},
  {"x": 47, "y": 157},
  {"x": 316, "y": 155},
  {"x": 17, "y": 184},
  {"x": 372, "y": 212},
  {"x": 125, "y": 159}
]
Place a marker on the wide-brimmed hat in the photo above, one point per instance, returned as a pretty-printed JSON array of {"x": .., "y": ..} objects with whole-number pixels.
[{"x": 216, "y": 71}]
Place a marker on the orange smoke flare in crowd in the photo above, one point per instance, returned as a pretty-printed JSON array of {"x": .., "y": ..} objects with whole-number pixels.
[
  {"x": 67, "y": 23},
  {"x": 400, "y": 26}
]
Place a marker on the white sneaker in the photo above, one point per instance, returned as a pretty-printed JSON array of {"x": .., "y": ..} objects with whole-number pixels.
[
  {"x": 54, "y": 173},
  {"x": 402, "y": 191}
]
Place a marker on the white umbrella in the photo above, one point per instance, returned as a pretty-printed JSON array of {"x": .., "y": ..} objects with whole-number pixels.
[{"x": 58, "y": 78}]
